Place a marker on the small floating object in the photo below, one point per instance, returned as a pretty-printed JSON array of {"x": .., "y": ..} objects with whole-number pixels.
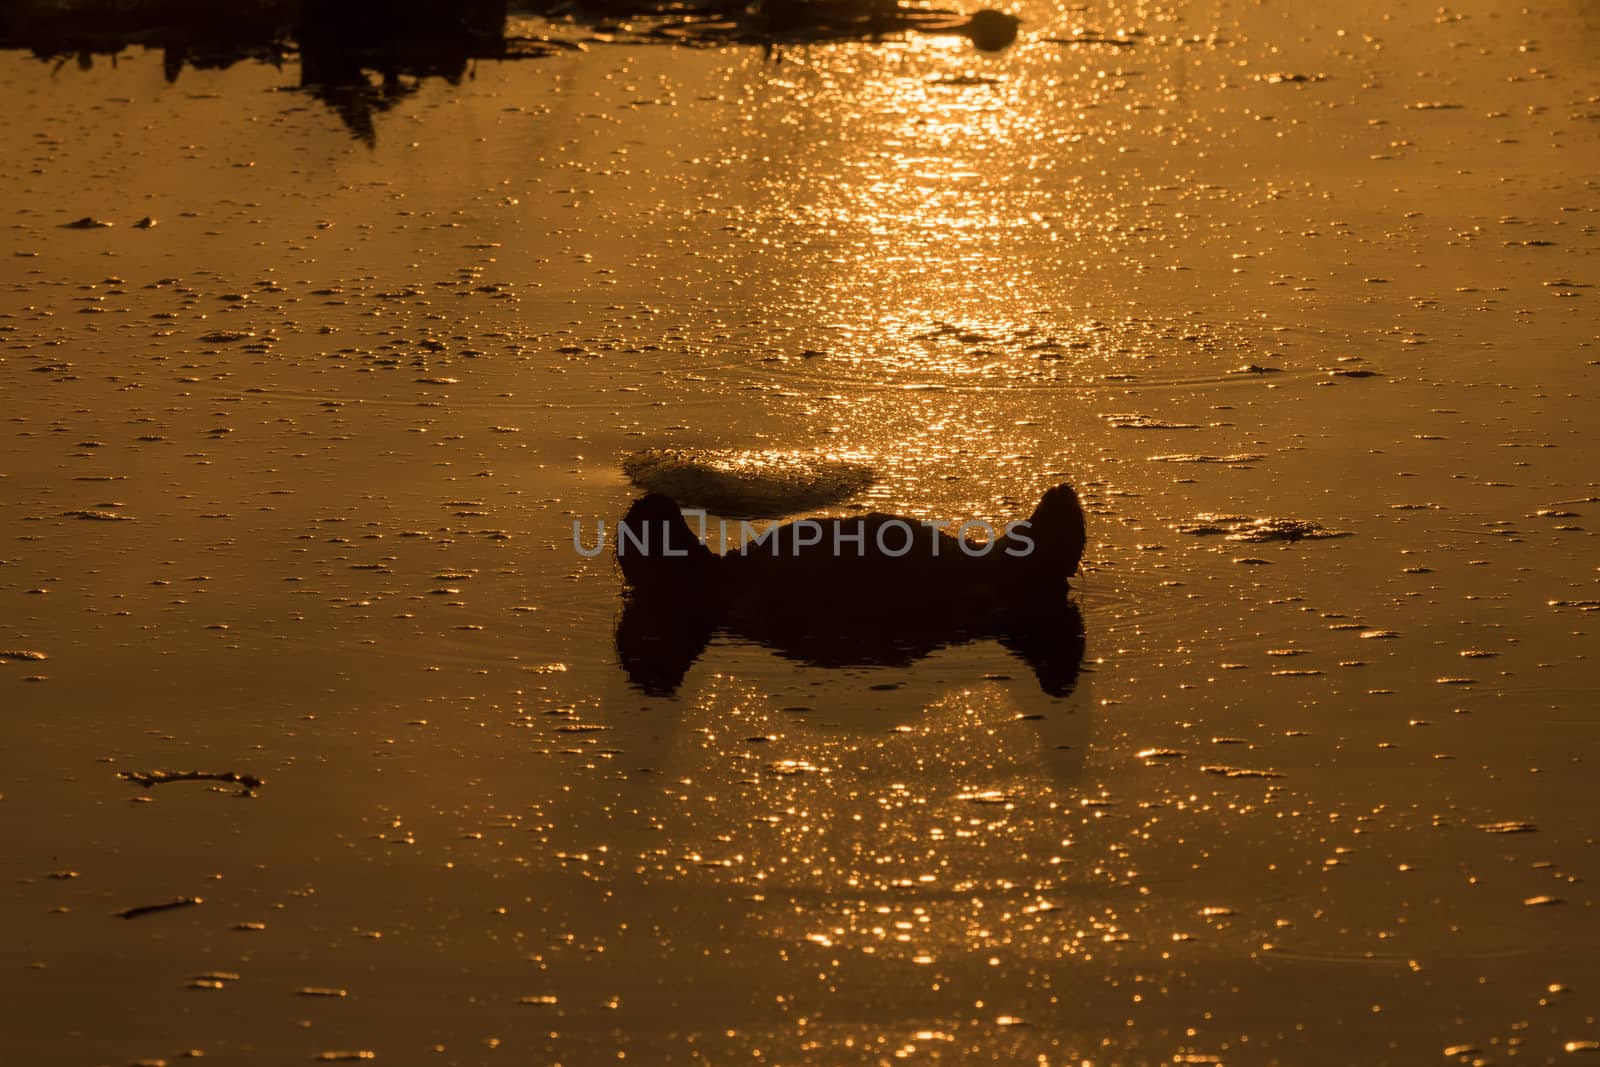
[
  {"x": 1508, "y": 826},
  {"x": 96, "y": 515},
  {"x": 747, "y": 483},
  {"x": 146, "y": 223},
  {"x": 151, "y": 909},
  {"x": 1196, "y": 457},
  {"x": 987, "y": 796},
  {"x": 22, "y": 654},
  {"x": 1134, "y": 421},
  {"x": 212, "y": 980},
  {"x": 990, "y": 30},
  {"x": 153, "y": 778},
  {"x": 790, "y": 767},
  {"x": 1238, "y": 772},
  {"x": 961, "y": 81},
  {"x": 1281, "y": 77},
  {"x": 346, "y": 1055},
  {"x": 320, "y": 991},
  {"x": 1118, "y": 40},
  {"x": 88, "y": 222}
]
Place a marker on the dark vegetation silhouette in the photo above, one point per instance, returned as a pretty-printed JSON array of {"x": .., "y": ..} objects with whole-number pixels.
[
  {"x": 838, "y": 602},
  {"x": 361, "y": 57}
]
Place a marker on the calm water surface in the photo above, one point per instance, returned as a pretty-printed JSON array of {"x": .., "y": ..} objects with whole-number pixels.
[{"x": 288, "y": 484}]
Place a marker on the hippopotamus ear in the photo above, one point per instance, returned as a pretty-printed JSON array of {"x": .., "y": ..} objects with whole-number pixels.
[
  {"x": 1049, "y": 545},
  {"x": 655, "y": 543},
  {"x": 654, "y": 507},
  {"x": 1057, "y": 525}
]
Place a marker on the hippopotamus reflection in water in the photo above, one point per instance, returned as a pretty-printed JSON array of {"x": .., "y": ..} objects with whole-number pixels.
[{"x": 875, "y": 590}]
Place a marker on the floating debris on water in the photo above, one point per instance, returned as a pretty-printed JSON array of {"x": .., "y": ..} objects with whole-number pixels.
[
  {"x": 22, "y": 654},
  {"x": 951, "y": 81},
  {"x": 789, "y": 767},
  {"x": 153, "y": 778},
  {"x": 1238, "y": 772},
  {"x": 1118, "y": 40},
  {"x": 1282, "y": 78},
  {"x": 1236, "y": 458},
  {"x": 88, "y": 222},
  {"x": 151, "y": 909},
  {"x": 1135, "y": 421},
  {"x": 96, "y": 515},
  {"x": 159, "y": 778},
  {"x": 212, "y": 980},
  {"x": 1509, "y": 826},
  {"x": 321, "y": 991}
]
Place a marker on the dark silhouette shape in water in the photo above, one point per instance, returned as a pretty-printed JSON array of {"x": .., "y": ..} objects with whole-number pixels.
[
  {"x": 359, "y": 57},
  {"x": 363, "y": 57},
  {"x": 405, "y": 43},
  {"x": 990, "y": 30},
  {"x": 812, "y": 592}
]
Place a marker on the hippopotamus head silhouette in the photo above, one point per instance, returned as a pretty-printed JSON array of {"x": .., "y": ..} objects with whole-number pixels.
[{"x": 871, "y": 590}]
